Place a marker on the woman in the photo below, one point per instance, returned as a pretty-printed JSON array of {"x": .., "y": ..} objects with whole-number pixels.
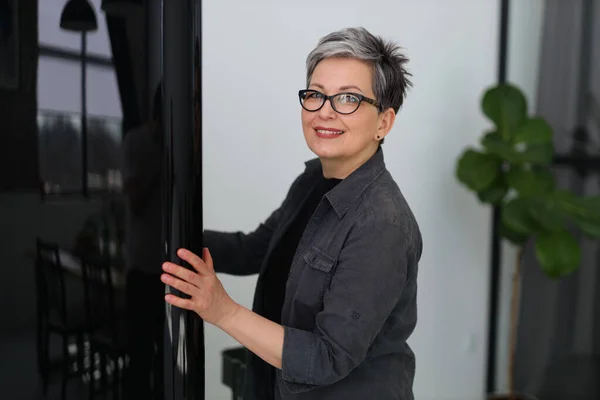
[{"x": 335, "y": 299}]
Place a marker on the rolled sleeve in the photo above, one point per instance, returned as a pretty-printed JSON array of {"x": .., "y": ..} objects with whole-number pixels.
[
  {"x": 298, "y": 345},
  {"x": 368, "y": 281}
]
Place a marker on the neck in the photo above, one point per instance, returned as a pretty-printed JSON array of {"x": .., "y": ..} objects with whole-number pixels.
[{"x": 341, "y": 168}]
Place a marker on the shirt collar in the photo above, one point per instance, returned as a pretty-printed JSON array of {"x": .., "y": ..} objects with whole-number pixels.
[{"x": 350, "y": 189}]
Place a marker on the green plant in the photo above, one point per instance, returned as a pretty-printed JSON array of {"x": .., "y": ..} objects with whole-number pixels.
[{"x": 512, "y": 171}]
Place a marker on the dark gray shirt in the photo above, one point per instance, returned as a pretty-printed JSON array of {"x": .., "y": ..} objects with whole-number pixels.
[{"x": 350, "y": 301}]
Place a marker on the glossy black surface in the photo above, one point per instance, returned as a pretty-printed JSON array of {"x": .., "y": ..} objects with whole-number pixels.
[
  {"x": 67, "y": 104},
  {"x": 182, "y": 208}
]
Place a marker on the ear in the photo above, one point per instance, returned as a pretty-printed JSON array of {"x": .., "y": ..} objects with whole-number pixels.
[{"x": 385, "y": 123}]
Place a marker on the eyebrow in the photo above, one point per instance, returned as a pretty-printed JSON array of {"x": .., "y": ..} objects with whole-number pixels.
[{"x": 346, "y": 87}]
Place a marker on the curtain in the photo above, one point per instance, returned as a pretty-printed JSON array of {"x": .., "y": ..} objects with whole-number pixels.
[{"x": 558, "y": 345}]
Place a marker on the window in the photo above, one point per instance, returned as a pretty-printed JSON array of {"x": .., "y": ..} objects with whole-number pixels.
[
  {"x": 61, "y": 152},
  {"x": 73, "y": 160}
]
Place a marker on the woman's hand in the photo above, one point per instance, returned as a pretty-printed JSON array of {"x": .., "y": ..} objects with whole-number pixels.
[
  {"x": 208, "y": 297},
  {"x": 210, "y": 301}
]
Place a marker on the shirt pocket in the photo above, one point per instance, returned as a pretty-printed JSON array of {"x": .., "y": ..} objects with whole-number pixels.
[{"x": 315, "y": 278}]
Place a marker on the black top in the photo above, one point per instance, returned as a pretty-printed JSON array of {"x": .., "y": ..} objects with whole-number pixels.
[
  {"x": 277, "y": 271},
  {"x": 280, "y": 262}
]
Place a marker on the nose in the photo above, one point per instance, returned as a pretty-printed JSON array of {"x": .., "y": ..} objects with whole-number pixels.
[{"x": 327, "y": 111}]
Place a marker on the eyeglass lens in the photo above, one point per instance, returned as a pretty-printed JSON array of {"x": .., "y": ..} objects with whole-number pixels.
[{"x": 343, "y": 103}]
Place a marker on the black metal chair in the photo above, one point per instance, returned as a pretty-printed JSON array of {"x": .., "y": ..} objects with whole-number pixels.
[{"x": 53, "y": 317}]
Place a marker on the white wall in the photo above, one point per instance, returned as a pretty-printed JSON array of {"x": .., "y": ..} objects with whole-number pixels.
[{"x": 254, "y": 148}]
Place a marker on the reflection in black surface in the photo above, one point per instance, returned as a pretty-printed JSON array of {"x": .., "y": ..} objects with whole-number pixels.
[
  {"x": 83, "y": 175},
  {"x": 142, "y": 173},
  {"x": 60, "y": 152},
  {"x": 184, "y": 347}
]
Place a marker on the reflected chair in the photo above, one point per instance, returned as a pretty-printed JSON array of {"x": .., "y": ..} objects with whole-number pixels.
[
  {"x": 55, "y": 316},
  {"x": 106, "y": 326}
]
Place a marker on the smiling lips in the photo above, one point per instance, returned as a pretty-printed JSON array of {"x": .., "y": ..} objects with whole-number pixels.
[{"x": 328, "y": 133}]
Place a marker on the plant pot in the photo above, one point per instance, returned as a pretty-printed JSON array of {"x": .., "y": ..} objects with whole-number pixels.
[{"x": 516, "y": 396}]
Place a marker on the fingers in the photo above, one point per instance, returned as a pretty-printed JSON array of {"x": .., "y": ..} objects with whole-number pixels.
[
  {"x": 179, "y": 302},
  {"x": 195, "y": 261},
  {"x": 185, "y": 280},
  {"x": 179, "y": 284},
  {"x": 182, "y": 273}
]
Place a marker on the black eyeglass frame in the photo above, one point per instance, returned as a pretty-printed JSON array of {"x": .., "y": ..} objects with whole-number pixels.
[{"x": 302, "y": 93}]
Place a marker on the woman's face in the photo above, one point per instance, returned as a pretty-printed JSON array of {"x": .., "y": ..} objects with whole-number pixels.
[{"x": 348, "y": 139}]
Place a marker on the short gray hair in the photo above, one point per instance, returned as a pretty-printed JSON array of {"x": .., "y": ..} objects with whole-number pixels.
[{"x": 390, "y": 77}]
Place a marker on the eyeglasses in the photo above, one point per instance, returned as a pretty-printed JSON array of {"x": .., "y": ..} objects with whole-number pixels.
[{"x": 343, "y": 103}]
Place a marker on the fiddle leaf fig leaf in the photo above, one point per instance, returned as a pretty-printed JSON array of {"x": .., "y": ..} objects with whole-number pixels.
[
  {"x": 529, "y": 182},
  {"x": 584, "y": 211},
  {"x": 495, "y": 144},
  {"x": 506, "y": 106},
  {"x": 515, "y": 238},
  {"x": 558, "y": 253},
  {"x": 590, "y": 228},
  {"x": 496, "y": 192},
  {"x": 516, "y": 216},
  {"x": 547, "y": 213},
  {"x": 534, "y": 131},
  {"x": 539, "y": 154},
  {"x": 477, "y": 170},
  {"x": 512, "y": 172}
]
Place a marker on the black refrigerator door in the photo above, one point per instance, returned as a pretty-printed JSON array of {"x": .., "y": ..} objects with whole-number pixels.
[{"x": 182, "y": 187}]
